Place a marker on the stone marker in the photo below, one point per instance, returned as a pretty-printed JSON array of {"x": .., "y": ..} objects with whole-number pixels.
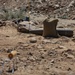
[{"x": 50, "y": 28}]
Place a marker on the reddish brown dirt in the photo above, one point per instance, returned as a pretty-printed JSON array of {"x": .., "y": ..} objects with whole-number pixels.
[
  {"x": 50, "y": 56},
  {"x": 46, "y": 56}
]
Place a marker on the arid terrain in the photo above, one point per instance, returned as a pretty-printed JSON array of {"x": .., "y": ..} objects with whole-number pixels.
[{"x": 38, "y": 55}]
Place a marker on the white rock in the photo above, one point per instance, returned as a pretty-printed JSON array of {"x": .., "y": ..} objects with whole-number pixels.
[
  {"x": 57, "y": 6},
  {"x": 32, "y": 58},
  {"x": 46, "y": 41}
]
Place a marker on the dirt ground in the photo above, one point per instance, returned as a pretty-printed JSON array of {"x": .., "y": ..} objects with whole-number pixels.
[
  {"x": 46, "y": 56},
  {"x": 38, "y": 55}
]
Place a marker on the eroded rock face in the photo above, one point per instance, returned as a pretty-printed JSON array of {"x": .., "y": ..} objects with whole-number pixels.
[{"x": 50, "y": 28}]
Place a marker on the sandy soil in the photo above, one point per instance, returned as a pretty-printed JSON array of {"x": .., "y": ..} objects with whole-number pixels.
[
  {"x": 38, "y": 55},
  {"x": 47, "y": 56}
]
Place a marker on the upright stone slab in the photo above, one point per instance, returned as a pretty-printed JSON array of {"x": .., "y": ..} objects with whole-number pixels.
[{"x": 50, "y": 28}]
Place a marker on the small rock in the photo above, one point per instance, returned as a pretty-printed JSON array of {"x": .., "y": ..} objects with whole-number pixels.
[
  {"x": 62, "y": 47},
  {"x": 33, "y": 40},
  {"x": 39, "y": 47},
  {"x": 18, "y": 53},
  {"x": 46, "y": 41},
  {"x": 73, "y": 39},
  {"x": 67, "y": 10},
  {"x": 32, "y": 58},
  {"x": 70, "y": 56},
  {"x": 57, "y": 6},
  {"x": 9, "y": 50},
  {"x": 7, "y": 36},
  {"x": 52, "y": 61},
  {"x": 52, "y": 53},
  {"x": 31, "y": 54},
  {"x": 26, "y": 45}
]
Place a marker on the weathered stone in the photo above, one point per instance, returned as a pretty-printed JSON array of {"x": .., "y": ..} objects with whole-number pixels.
[
  {"x": 57, "y": 6},
  {"x": 32, "y": 58},
  {"x": 25, "y": 26},
  {"x": 52, "y": 61},
  {"x": 39, "y": 47},
  {"x": 50, "y": 28},
  {"x": 46, "y": 41},
  {"x": 33, "y": 40},
  {"x": 70, "y": 56},
  {"x": 26, "y": 45},
  {"x": 62, "y": 47}
]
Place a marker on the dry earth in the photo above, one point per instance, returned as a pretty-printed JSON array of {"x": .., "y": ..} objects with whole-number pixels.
[
  {"x": 38, "y": 55},
  {"x": 46, "y": 56},
  {"x": 61, "y": 8}
]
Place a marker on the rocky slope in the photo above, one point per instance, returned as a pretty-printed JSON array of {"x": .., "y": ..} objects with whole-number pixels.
[{"x": 59, "y": 8}]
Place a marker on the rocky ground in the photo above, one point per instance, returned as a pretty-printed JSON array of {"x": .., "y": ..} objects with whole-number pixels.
[
  {"x": 60, "y": 8},
  {"x": 38, "y": 55}
]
